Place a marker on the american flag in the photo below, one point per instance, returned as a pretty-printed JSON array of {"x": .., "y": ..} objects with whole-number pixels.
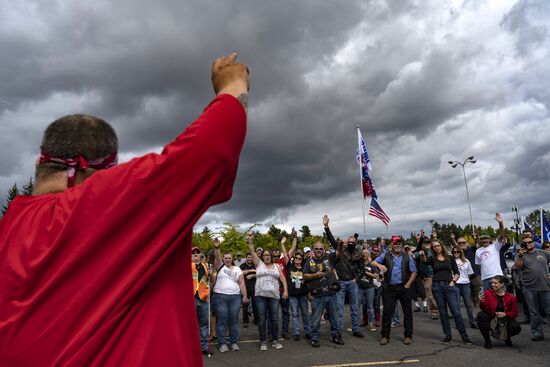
[
  {"x": 364, "y": 162},
  {"x": 376, "y": 211}
]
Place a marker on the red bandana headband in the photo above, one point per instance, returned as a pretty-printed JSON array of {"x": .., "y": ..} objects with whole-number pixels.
[{"x": 79, "y": 162}]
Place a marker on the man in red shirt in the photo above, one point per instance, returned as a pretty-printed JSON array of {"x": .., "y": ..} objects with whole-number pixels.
[{"x": 94, "y": 266}]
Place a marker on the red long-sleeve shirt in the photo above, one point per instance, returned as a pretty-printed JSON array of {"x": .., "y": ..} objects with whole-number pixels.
[{"x": 99, "y": 275}]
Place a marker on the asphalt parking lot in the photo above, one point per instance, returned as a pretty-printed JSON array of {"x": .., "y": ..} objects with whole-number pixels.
[{"x": 426, "y": 350}]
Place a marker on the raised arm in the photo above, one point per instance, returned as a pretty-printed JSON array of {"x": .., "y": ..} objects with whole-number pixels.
[
  {"x": 250, "y": 240},
  {"x": 453, "y": 239},
  {"x": 330, "y": 237},
  {"x": 283, "y": 248},
  {"x": 217, "y": 254},
  {"x": 500, "y": 221},
  {"x": 294, "y": 243}
]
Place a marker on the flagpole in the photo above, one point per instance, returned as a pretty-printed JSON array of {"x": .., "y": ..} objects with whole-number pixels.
[
  {"x": 541, "y": 225},
  {"x": 361, "y": 188}
]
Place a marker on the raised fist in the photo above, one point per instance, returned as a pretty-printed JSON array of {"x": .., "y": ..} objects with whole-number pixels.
[
  {"x": 325, "y": 220},
  {"x": 217, "y": 243},
  {"x": 228, "y": 76}
]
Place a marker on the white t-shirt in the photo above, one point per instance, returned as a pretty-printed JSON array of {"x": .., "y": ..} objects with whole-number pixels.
[
  {"x": 489, "y": 260},
  {"x": 227, "y": 281},
  {"x": 267, "y": 281},
  {"x": 464, "y": 269}
]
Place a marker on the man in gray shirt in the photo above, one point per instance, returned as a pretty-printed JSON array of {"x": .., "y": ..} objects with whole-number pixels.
[{"x": 535, "y": 279}]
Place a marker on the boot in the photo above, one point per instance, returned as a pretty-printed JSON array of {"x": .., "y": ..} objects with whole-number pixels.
[{"x": 377, "y": 319}]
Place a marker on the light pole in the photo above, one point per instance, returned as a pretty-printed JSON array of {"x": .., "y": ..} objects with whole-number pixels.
[{"x": 463, "y": 164}]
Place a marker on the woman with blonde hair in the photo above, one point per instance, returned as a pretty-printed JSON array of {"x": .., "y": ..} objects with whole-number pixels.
[
  {"x": 445, "y": 276},
  {"x": 463, "y": 283}
]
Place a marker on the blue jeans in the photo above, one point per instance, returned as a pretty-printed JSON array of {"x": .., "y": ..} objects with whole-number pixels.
[
  {"x": 299, "y": 304},
  {"x": 445, "y": 295},
  {"x": 267, "y": 306},
  {"x": 317, "y": 308},
  {"x": 349, "y": 287},
  {"x": 201, "y": 307},
  {"x": 365, "y": 297},
  {"x": 285, "y": 312},
  {"x": 534, "y": 298},
  {"x": 465, "y": 293},
  {"x": 227, "y": 311}
]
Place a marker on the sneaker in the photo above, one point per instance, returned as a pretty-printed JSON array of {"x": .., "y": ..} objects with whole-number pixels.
[
  {"x": 467, "y": 341},
  {"x": 358, "y": 334},
  {"x": 537, "y": 338},
  {"x": 207, "y": 352},
  {"x": 235, "y": 347},
  {"x": 371, "y": 327},
  {"x": 447, "y": 339},
  {"x": 263, "y": 347},
  {"x": 417, "y": 309},
  {"x": 315, "y": 344},
  {"x": 337, "y": 339},
  {"x": 286, "y": 336},
  {"x": 224, "y": 349},
  {"x": 395, "y": 324},
  {"x": 408, "y": 340},
  {"x": 384, "y": 341},
  {"x": 277, "y": 345},
  {"x": 296, "y": 337}
]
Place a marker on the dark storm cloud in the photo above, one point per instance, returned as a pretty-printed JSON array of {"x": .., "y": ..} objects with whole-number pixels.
[{"x": 426, "y": 82}]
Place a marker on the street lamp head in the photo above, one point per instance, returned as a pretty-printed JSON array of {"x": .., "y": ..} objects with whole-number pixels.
[
  {"x": 454, "y": 165},
  {"x": 474, "y": 161},
  {"x": 451, "y": 162},
  {"x": 470, "y": 157}
]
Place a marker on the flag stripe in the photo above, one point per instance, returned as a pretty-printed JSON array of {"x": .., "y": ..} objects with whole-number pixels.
[{"x": 376, "y": 211}]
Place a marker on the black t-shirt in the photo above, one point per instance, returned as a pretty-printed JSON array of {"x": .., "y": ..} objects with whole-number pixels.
[
  {"x": 295, "y": 280},
  {"x": 249, "y": 283},
  {"x": 500, "y": 304},
  {"x": 363, "y": 280},
  {"x": 443, "y": 269}
]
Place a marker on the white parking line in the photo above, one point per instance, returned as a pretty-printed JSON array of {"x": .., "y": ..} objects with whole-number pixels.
[{"x": 379, "y": 363}]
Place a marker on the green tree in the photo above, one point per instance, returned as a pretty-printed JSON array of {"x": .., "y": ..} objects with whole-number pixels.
[
  {"x": 234, "y": 240},
  {"x": 12, "y": 193},
  {"x": 306, "y": 232},
  {"x": 203, "y": 239},
  {"x": 28, "y": 188},
  {"x": 275, "y": 232}
]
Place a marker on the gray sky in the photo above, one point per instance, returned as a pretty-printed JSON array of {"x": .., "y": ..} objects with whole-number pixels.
[{"x": 426, "y": 81}]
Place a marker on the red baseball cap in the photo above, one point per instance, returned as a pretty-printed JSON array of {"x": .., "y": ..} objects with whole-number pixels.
[
  {"x": 375, "y": 247},
  {"x": 195, "y": 248},
  {"x": 395, "y": 239}
]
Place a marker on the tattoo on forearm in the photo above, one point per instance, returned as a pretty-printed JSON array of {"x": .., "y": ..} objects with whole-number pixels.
[{"x": 243, "y": 98}]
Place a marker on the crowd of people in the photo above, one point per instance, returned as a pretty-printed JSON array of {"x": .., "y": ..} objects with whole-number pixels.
[{"x": 311, "y": 286}]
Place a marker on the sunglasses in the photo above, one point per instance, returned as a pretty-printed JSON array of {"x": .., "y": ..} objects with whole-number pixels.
[
  {"x": 462, "y": 242},
  {"x": 456, "y": 252},
  {"x": 318, "y": 249},
  {"x": 195, "y": 252},
  {"x": 527, "y": 242}
]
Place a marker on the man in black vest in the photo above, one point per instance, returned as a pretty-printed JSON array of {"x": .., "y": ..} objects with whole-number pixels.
[{"x": 399, "y": 274}]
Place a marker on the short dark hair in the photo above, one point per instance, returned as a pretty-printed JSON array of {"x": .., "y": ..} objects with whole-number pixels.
[{"x": 74, "y": 135}]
